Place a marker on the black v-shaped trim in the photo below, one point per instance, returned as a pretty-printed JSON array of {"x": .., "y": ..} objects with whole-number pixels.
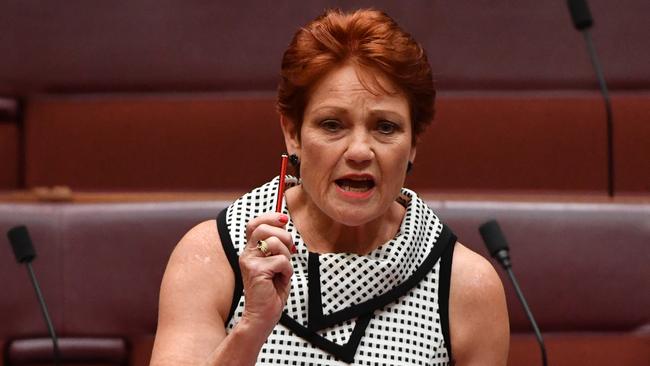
[
  {"x": 342, "y": 352},
  {"x": 363, "y": 312},
  {"x": 233, "y": 259},
  {"x": 315, "y": 308},
  {"x": 318, "y": 321},
  {"x": 444, "y": 284}
]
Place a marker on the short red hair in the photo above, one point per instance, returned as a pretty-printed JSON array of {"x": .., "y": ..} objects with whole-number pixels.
[{"x": 370, "y": 40}]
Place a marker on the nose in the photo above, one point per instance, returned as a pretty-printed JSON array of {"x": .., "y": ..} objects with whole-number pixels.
[{"x": 359, "y": 150}]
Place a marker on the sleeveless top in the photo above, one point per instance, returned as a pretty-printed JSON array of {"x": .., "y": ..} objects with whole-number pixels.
[{"x": 388, "y": 307}]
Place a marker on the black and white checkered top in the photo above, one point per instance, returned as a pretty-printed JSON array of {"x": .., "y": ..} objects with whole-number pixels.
[{"x": 389, "y": 307}]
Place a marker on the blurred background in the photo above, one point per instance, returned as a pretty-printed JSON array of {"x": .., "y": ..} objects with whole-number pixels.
[
  {"x": 123, "y": 123},
  {"x": 168, "y": 95}
]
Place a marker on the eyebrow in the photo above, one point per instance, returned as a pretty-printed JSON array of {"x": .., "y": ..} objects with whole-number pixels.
[
  {"x": 375, "y": 112},
  {"x": 396, "y": 117},
  {"x": 329, "y": 108}
]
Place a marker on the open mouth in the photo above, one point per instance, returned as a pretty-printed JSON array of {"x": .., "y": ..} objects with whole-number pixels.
[{"x": 355, "y": 185}]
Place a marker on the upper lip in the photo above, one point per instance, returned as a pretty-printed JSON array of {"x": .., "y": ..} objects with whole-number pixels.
[{"x": 356, "y": 176}]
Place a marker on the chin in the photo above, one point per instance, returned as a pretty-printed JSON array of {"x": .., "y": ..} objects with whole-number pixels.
[{"x": 356, "y": 215}]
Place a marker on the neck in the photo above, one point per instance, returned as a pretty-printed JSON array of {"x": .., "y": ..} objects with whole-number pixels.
[{"x": 322, "y": 234}]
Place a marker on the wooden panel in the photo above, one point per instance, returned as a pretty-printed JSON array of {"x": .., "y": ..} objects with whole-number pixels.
[
  {"x": 533, "y": 142},
  {"x": 9, "y": 156},
  {"x": 632, "y": 143},
  {"x": 152, "y": 143},
  {"x": 518, "y": 142},
  {"x": 490, "y": 142},
  {"x": 571, "y": 349}
]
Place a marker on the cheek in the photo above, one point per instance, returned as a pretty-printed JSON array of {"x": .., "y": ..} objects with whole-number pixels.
[
  {"x": 321, "y": 153},
  {"x": 318, "y": 161},
  {"x": 394, "y": 169}
]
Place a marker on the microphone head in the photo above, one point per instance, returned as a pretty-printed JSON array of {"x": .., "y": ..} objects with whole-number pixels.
[
  {"x": 21, "y": 244},
  {"x": 493, "y": 237},
  {"x": 580, "y": 14}
]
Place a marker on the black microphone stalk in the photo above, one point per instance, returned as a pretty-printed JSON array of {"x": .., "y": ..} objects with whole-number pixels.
[
  {"x": 25, "y": 253},
  {"x": 582, "y": 21},
  {"x": 499, "y": 250}
]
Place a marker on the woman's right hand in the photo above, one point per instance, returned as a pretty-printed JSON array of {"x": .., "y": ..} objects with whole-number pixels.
[{"x": 266, "y": 278}]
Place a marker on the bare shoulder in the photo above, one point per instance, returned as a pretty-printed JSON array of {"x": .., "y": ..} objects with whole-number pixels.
[
  {"x": 198, "y": 269},
  {"x": 202, "y": 239},
  {"x": 474, "y": 276},
  {"x": 195, "y": 297},
  {"x": 198, "y": 255},
  {"x": 478, "y": 315}
]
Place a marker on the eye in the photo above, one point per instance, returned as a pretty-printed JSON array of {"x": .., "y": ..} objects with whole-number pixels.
[
  {"x": 331, "y": 125},
  {"x": 387, "y": 127}
]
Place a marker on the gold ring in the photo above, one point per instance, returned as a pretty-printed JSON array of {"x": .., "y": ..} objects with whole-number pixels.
[{"x": 263, "y": 247}]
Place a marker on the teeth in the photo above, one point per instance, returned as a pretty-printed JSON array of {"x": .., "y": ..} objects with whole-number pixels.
[
  {"x": 352, "y": 185},
  {"x": 355, "y": 189}
]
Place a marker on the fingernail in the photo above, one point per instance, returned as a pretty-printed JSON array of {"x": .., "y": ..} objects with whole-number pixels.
[
  {"x": 294, "y": 250},
  {"x": 284, "y": 218}
]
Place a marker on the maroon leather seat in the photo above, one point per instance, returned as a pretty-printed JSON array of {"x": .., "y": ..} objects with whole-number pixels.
[
  {"x": 582, "y": 266},
  {"x": 100, "y": 267},
  {"x": 86, "y": 351}
]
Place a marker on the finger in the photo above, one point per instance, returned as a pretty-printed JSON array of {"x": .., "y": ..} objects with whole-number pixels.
[
  {"x": 273, "y": 247},
  {"x": 280, "y": 265},
  {"x": 266, "y": 268},
  {"x": 270, "y": 218},
  {"x": 265, "y": 231}
]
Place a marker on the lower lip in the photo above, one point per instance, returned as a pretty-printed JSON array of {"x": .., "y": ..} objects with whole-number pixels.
[{"x": 354, "y": 194}]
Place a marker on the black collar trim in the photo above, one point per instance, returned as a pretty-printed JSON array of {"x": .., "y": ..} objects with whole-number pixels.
[
  {"x": 364, "y": 311},
  {"x": 318, "y": 321},
  {"x": 344, "y": 352},
  {"x": 233, "y": 259}
]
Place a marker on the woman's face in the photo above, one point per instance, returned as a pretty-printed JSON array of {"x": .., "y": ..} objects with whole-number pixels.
[{"x": 354, "y": 147}]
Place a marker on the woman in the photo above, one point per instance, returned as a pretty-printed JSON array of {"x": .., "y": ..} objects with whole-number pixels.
[{"x": 355, "y": 269}]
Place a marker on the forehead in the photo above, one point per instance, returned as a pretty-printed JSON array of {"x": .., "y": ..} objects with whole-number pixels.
[{"x": 345, "y": 86}]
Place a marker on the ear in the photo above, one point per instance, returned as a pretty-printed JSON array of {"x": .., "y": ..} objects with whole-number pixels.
[
  {"x": 412, "y": 154},
  {"x": 290, "y": 132}
]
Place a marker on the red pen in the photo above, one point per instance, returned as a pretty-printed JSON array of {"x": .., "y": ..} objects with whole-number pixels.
[{"x": 283, "y": 173}]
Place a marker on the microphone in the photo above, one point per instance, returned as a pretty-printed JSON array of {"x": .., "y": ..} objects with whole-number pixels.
[
  {"x": 25, "y": 253},
  {"x": 582, "y": 21},
  {"x": 580, "y": 14},
  {"x": 499, "y": 250}
]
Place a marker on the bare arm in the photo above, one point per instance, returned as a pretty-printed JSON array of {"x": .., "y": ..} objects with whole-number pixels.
[
  {"x": 479, "y": 328},
  {"x": 196, "y": 295}
]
